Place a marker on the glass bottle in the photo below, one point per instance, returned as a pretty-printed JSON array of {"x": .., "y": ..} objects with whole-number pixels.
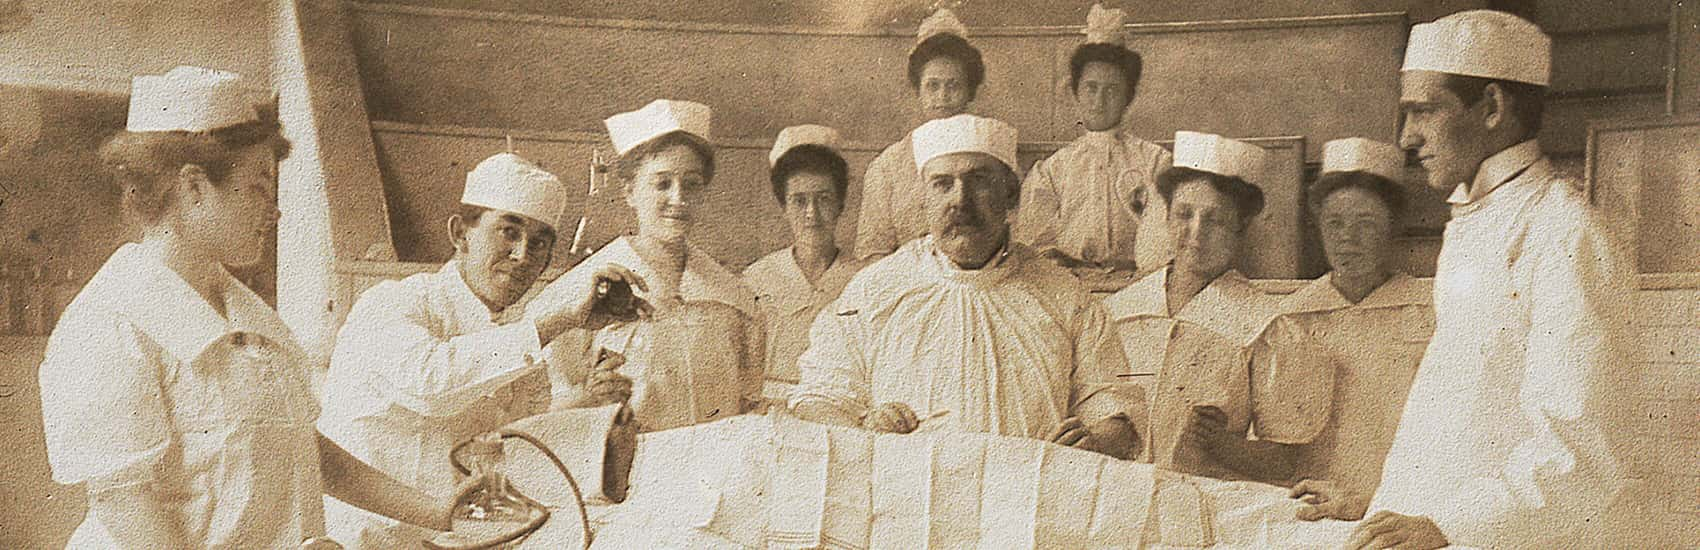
[{"x": 493, "y": 510}]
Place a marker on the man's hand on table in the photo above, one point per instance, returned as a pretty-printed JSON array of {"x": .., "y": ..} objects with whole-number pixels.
[
  {"x": 891, "y": 417},
  {"x": 1112, "y": 435},
  {"x": 1402, "y": 532},
  {"x": 1326, "y": 499}
]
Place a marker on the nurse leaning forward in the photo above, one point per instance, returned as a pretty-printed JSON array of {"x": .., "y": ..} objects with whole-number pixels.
[{"x": 171, "y": 391}]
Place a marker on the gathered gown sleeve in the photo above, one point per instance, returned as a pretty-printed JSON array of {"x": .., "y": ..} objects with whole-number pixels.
[{"x": 1099, "y": 358}]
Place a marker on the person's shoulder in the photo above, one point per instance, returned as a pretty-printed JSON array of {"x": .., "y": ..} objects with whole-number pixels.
[
  {"x": 766, "y": 267},
  {"x": 897, "y": 151},
  {"x": 881, "y": 279},
  {"x": 1046, "y": 277}
]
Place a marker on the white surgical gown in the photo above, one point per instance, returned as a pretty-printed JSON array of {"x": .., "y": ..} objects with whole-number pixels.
[
  {"x": 1374, "y": 346},
  {"x": 143, "y": 382},
  {"x": 1080, "y": 200},
  {"x": 789, "y": 303},
  {"x": 1011, "y": 349},
  {"x": 1506, "y": 440},
  {"x": 421, "y": 364}
]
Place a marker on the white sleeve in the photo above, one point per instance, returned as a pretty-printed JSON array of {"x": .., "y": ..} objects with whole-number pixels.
[
  {"x": 1037, "y": 215},
  {"x": 1098, "y": 392},
  {"x": 833, "y": 370},
  {"x": 389, "y": 343},
  {"x": 103, "y": 404}
]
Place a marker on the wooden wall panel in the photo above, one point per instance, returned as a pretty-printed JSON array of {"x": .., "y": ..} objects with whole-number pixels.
[
  {"x": 503, "y": 71},
  {"x": 1645, "y": 174}
]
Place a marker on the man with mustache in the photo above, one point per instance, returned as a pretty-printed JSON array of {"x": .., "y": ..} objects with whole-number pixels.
[
  {"x": 436, "y": 358},
  {"x": 964, "y": 328},
  {"x": 1510, "y": 435}
]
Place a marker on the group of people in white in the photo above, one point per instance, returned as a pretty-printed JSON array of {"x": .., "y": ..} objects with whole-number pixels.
[{"x": 178, "y": 397}]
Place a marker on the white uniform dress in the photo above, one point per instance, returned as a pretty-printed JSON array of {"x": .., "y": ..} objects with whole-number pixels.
[
  {"x": 697, "y": 363},
  {"x": 1374, "y": 346},
  {"x": 422, "y": 364},
  {"x": 789, "y": 303},
  {"x": 1219, "y": 350},
  {"x": 1506, "y": 436},
  {"x": 143, "y": 382},
  {"x": 1080, "y": 200},
  {"x": 892, "y": 210},
  {"x": 1011, "y": 349}
]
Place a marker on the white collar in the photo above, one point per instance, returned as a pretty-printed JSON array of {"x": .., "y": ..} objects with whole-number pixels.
[
  {"x": 1496, "y": 170},
  {"x": 1320, "y": 295},
  {"x": 1229, "y": 305},
  {"x": 176, "y": 317}
]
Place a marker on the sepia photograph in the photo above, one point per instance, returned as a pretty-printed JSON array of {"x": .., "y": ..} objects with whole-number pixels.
[{"x": 849, "y": 274}]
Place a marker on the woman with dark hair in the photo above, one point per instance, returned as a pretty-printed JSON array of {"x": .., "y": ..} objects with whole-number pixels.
[
  {"x": 1193, "y": 331},
  {"x": 809, "y": 180},
  {"x": 1372, "y": 320},
  {"x": 169, "y": 389},
  {"x": 945, "y": 71},
  {"x": 1081, "y": 207},
  {"x": 700, "y": 358}
]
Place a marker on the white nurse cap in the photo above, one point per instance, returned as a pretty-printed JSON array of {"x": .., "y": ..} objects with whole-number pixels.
[
  {"x": 965, "y": 134},
  {"x": 943, "y": 21},
  {"x": 1218, "y": 155},
  {"x": 795, "y": 136},
  {"x": 509, "y": 183},
  {"x": 1106, "y": 26},
  {"x": 662, "y": 116},
  {"x": 189, "y": 99},
  {"x": 1363, "y": 155},
  {"x": 1482, "y": 43}
]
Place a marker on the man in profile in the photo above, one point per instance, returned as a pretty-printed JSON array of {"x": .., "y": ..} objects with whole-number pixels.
[{"x": 1506, "y": 439}]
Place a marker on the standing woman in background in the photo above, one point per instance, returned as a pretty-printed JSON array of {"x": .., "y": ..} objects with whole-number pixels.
[
  {"x": 1081, "y": 207},
  {"x": 169, "y": 389},
  {"x": 945, "y": 72},
  {"x": 810, "y": 180},
  {"x": 700, "y": 358}
]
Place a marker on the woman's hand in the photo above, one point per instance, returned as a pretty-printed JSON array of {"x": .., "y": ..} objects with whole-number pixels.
[
  {"x": 1207, "y": 428},
  {"x": 1111, "y": 435},
  {"x": 1326, "y": 499}
]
